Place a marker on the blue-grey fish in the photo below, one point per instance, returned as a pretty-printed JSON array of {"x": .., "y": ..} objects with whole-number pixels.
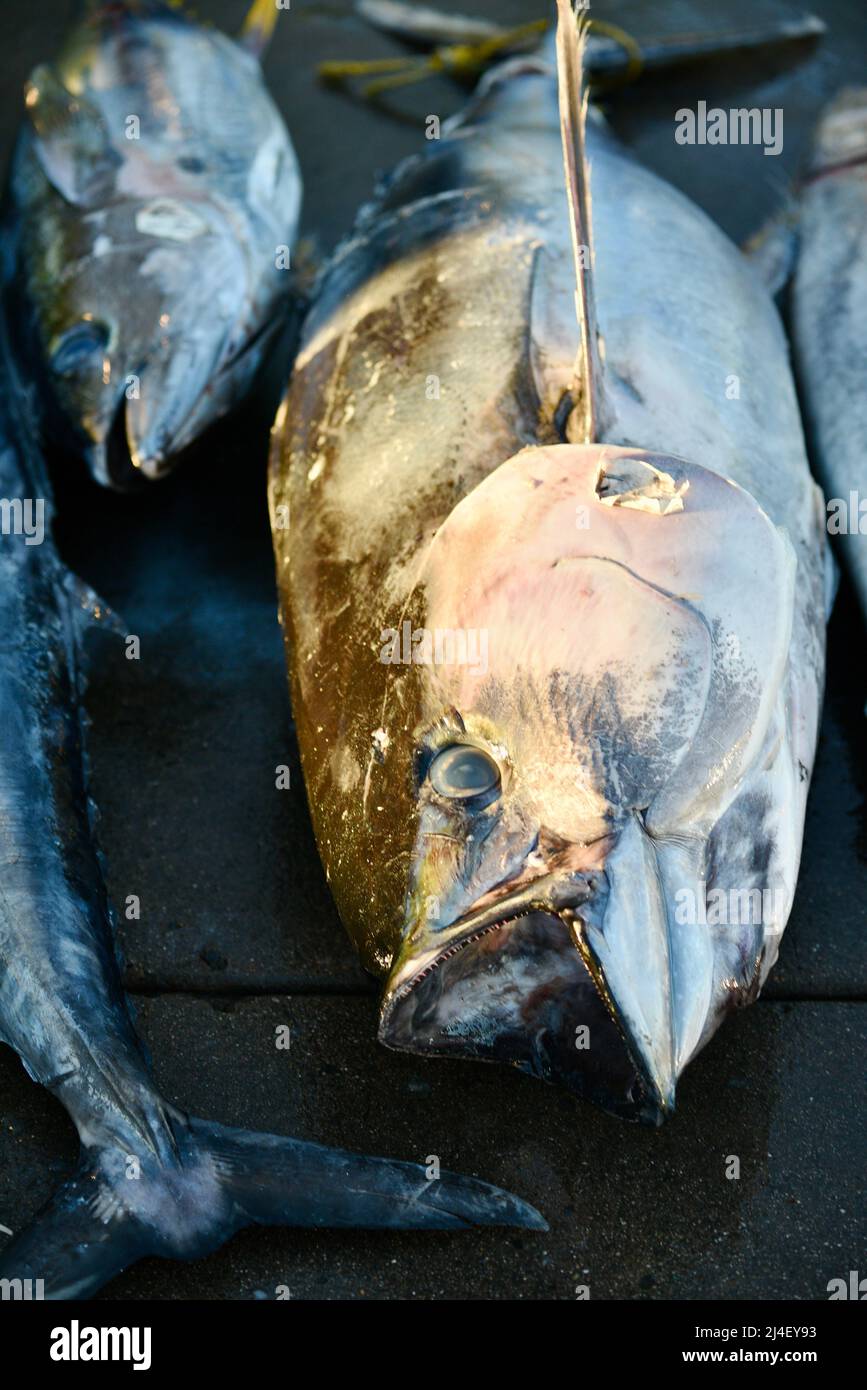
[
  {"x": 829, "y": 314},
  {"x": 153, "y": 201},
  {"x": 151, "y": 1179},
  {"x": 553, "y": 600}
]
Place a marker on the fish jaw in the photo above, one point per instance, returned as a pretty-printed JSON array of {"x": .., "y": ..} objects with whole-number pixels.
[
  {"x": 138, "y": 432},
  {"x": 105, "y": 447},
  {"x": 519, "y": 980},
  {"x": 163, "y": 390},
  {"x": 564, "y": 970},
  {"x": 181, "y": 394}
]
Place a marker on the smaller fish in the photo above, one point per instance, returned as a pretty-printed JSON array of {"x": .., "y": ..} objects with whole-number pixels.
[
  {"x": 153, "y": 200},
  {"x": 829, "y": 321}
]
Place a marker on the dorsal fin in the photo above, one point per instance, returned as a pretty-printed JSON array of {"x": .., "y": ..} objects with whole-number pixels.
[{"x": 587, "y": 388}]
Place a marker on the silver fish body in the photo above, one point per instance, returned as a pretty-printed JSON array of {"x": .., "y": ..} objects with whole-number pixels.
[
  {"x": 153, "y": 200},
  {"x": 551, "y": 697},
  {"x": 829, "y": 312}
]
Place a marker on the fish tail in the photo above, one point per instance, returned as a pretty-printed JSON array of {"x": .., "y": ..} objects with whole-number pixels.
[
  {"x": 118, "y": 1208},
  {"x": 258, "y": 27},
  {"x": 588, "y": 415}
]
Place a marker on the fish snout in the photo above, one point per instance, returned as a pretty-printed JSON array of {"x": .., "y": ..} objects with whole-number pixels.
[
  {"x": 517, "y": 980},
  {"x": 150, "y": 447},
  {"x": 107, "y": 450},
  {"x": 139, "y": 436}
]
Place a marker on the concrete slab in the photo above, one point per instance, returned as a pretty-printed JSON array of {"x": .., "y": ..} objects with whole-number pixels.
[
  {"x": 186, "y": 741},
  {"x": 633, "y": 1213}
]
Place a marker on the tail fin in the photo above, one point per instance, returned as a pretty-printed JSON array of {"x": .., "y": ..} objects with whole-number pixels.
[
  {"x": 587, "y": 391},
  {"x": 116, "y": 1209}
]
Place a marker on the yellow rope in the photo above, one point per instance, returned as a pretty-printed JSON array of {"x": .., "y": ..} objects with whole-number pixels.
[
  {"x": 466, "y": 60},
  {"x": 634, "y": 55},
  {"x": 458, "y": 60},
  {"x": 260, "y": 21}
]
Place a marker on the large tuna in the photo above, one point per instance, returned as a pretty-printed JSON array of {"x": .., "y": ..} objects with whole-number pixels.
[{"x": 553, "y": 599}]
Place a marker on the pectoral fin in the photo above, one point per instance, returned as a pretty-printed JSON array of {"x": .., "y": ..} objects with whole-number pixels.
[{"x": 72, "y": 142}]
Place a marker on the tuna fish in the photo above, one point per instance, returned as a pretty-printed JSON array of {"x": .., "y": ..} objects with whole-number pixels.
[
  {"x": 553, "y": 596},
  {"x": 828, "y": 317},
  {"x": 153, "y": 200}
]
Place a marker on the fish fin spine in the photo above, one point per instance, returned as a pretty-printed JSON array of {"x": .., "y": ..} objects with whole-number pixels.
[{"x": 572, "y": 29}]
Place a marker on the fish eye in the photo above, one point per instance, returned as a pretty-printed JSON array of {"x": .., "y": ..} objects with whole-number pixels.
[
  {"x": 79, "y": 345},
  {"x": 462, "y": 772}
]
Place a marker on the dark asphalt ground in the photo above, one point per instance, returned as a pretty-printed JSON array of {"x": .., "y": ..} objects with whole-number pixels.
[{"x": 238, "y": 934}]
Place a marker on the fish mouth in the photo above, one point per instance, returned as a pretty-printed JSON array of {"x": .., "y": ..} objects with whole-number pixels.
[
  {"x": 118, "y": 459},
  {"x": 109, "y": 454},
  {"x": 516, "y": 981}
]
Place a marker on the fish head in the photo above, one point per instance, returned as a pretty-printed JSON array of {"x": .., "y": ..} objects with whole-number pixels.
[
  {"x": 151, "y": 254},
  {"x": 151, "y": 323},
  {"x": 132, "y": 360},
  {"x": 602, "y": 666}
]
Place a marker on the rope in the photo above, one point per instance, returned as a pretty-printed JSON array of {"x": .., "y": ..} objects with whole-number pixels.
[{"x": 467, "y": 60}]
